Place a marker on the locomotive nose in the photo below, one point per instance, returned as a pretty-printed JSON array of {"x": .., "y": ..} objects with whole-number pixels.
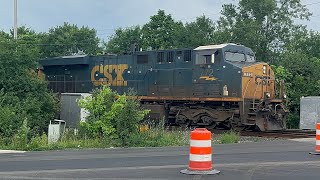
[{"x": 258, "y": 81}]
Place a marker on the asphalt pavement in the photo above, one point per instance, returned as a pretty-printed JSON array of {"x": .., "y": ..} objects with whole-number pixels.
[{"x": 280, "y": 159}]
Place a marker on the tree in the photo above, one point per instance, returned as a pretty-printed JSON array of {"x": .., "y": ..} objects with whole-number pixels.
[
  {"x": 23, "y": 96},
  {"x": 69, "y": 39},
  {"x": 262, "y": 25},
  {"x": 162, "y": 32},
  {"x": 301, "y": 58},
  {"x": 4, "y": 36},
  {"x": 123, "y": 40},
  {"x": 200, "y": 32},
  {"x": 307, "y": 42}
]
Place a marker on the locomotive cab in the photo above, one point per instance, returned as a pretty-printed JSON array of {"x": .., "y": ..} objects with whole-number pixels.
[
  {"x": 222, "y": 65},
  {"x": 245, "y": 85}
]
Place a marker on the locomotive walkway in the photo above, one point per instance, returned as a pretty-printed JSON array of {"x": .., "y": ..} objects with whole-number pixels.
[{"x": 280, "y": 159}]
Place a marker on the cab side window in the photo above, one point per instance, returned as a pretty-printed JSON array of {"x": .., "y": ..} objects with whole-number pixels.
[
  {"x": 170, "y": 57},
  {"x": 142, "y": 59},
  {"x": 187, "y": 55},
  {"x": 160, "y": 57},
  {"x": 205, "y": 57}
]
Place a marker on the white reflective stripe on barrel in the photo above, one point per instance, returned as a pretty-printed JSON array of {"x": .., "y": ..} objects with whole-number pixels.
[
  {"x": 200, "y": 158},
  {"x": 318, "y": 142},
  {"x": 200, "y": 143},
  {"x": 318, "y": 132}
]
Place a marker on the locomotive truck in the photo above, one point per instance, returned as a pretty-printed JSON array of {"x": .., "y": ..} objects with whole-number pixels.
[{"x": 210, "y": 86}]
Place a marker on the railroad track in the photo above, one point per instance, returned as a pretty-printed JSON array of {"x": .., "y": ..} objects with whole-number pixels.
[
  {"x": 290, "y": 134},
  {"x": 287, "y": 134}
]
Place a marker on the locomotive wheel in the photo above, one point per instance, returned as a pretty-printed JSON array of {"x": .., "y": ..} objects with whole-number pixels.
[
  {"x": 206, "y": 119},
  {"x": 182, "y": 121},
  {"x": 213, "y": 125},
  {"x": 226, "y": 125}
]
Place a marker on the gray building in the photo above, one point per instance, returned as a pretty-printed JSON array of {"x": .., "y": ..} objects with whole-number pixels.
[
  {"x": 70, "y": 111},
  {"x": 309, "y": 112}
]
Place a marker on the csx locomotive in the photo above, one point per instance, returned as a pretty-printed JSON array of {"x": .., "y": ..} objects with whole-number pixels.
[{"x": 211, "y": 86}]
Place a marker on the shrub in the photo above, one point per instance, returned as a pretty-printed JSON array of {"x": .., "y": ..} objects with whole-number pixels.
[
  {"x": 126, "y": 116},
  {"x": 20, "y": 140},
  {"x": 38, "y": 143},
  {"x": 112, "y": 116},
  {"x": 10, "y": 121},
  {"x": 98, "y": 123},
  {"x": 229, "y": 137}
]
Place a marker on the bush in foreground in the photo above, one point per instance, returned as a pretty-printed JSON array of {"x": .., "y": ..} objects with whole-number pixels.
[{"x": 112, "y": 116}]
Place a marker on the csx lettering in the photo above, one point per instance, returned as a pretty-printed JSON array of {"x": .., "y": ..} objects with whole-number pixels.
[
  {"x": 106, "y": 72},
  {"x": 264, "y": 80}
]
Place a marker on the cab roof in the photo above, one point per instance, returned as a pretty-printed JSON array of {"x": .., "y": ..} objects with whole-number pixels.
[{"x": 217, "y": 46}]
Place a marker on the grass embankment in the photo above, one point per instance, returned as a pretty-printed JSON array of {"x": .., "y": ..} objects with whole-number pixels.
[
  {"x": 155, "y": 137},
  {"x": 150, "y": 138}
]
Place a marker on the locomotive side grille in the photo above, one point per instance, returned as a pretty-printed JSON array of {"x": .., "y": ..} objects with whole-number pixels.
[
  {"x": 212, "y": 90},
  {"x": 198, "y": 90}
]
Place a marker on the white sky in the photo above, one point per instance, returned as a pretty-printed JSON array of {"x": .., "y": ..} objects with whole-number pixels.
[{"x": 107, "y": 15}]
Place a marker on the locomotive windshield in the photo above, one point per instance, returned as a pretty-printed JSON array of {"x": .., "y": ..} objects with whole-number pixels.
[
  {"x": 239, "y": 57},
  {"x": 250, "y": 58},
  {"x": 234, "y": 56}
]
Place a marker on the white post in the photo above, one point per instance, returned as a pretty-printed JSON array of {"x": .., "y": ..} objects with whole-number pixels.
[{"x": 15, "y": 19}]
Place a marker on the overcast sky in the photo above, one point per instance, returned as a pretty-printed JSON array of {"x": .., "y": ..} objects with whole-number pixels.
[{"x": 106, "y": 15}]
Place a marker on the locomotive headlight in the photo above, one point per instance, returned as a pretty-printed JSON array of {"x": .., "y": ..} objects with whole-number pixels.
[
  {"x": 268, "y": 95},
  {"x": 264, "y": 69}
]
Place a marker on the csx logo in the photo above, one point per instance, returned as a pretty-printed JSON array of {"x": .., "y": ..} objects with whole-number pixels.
[{"x": 109, "y": 75}]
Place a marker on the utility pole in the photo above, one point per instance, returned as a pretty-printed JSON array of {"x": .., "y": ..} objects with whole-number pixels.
[{"x": 15, "y": 28}]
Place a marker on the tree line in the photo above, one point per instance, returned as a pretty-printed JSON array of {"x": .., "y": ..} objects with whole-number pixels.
[{"x": 266, "y": 26}]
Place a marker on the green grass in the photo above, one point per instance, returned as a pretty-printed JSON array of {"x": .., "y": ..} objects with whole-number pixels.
[
  {"x": 154, "y": 137},
  {"x": 159, "y": 138},
  {"x": 229, "y": 137}
]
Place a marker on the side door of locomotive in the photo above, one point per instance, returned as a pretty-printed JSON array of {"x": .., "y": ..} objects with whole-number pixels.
[
  {"x": 182, "y": 76},
  {"x": 163, "y": 71},
  {"x": 143, "y": 65}
]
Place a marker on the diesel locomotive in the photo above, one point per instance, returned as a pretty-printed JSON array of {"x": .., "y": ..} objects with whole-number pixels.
[{"x": 213, "y": 86}]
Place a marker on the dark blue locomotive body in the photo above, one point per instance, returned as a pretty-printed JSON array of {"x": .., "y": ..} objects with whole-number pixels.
[
  {"x": 202, "y": 86},
  {"x": 150, "y": 73}
]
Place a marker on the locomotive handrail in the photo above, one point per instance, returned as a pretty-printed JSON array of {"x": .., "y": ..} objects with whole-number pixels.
[
  {"x": 172, "y": 69},
  {"x": 246, "y": 88},
  {"x": 254, "y": 94},
  {"x": 244, "y": 95}
]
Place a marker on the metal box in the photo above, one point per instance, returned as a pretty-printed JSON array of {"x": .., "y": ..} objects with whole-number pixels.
[
  {"x": 70, "y": 110},
  {"x": 309, "y": 112},
  {"x": 55, "y": 131}
]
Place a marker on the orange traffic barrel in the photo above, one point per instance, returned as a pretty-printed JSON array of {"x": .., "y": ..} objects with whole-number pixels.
[
  {"x": 317, "y": 149},
  {"x": 200, "y": 156}
]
